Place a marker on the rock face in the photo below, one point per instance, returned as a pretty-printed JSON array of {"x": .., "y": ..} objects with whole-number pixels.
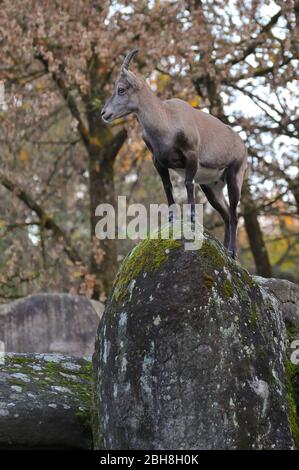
[
  {"x": 190, "y": 354},
  {"x": 288, "y": 295},
  {"x": 54, "y": 323},
  {"x": 44, "y": 402}
]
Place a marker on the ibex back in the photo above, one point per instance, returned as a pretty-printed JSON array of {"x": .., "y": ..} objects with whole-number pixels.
[{"x": 192, "y": 142}]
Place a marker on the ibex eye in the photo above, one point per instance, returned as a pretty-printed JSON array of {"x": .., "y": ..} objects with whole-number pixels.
[{"x": 121, "y": 91}]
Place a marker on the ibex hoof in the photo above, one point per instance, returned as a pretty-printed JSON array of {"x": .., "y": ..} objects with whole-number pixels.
[{"x": 232, "y": 253}]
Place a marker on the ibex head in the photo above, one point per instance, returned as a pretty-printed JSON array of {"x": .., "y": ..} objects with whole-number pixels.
[{"x": 125, "y": 99}]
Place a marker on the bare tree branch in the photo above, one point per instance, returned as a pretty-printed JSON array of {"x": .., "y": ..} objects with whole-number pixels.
[
  {"x": 46, "y": 218},
  {"x": 251, "y": 47},
  {"x": 69, "y": 99}
]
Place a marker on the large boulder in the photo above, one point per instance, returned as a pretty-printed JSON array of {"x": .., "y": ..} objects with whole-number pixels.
[
  {"x": 44, "y": 402},
  {"x": 190, "y": 354},
  {"x": 52, "y": 323}
]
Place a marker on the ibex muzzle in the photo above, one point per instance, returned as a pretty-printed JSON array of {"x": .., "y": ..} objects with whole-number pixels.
[{"x": 187, "y": 140}]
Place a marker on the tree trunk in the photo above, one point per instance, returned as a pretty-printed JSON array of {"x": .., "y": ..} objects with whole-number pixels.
[
  {"x": 294, "y": 187},
  {"x": 101, "y": 190},
  {"x": 255, "y": 235},
  {"x": 103, "y": 147}
]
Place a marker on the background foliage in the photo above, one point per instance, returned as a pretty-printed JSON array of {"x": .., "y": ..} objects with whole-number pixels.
[{"x": 59, "y": 61}]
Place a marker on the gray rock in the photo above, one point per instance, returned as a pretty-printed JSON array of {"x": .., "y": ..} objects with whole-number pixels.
[
  {"x": 44, "y": 402},
  {"x": 54, "y": 323},
  {"x": 190, "y": 354},
  {"x": 287, "y": 293}
]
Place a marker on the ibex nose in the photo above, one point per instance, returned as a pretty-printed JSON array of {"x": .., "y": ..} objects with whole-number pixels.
[{"x": 106, "y": 116}]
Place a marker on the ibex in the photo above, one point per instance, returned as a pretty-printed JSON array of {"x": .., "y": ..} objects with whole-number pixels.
[{"x": 187, "y": 140}]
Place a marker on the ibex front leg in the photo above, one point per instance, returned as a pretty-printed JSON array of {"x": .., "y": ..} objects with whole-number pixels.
[
  {"x": 190, "y": 172},
  {"x": 164, "y": 173}
]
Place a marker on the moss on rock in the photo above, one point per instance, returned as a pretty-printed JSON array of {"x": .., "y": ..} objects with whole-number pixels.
[
  {"x": 209, "y": 281},
  {"x": 292, "y": 378},
  {"x": 47, "y": 388},
  {"x": 291, "y": 371},
  {"x": 147, "y": 256},
  {"x": 228, "y": 289},
  {"x": 211, "y": 251}
]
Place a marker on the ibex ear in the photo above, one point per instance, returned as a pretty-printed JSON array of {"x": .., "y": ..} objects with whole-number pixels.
[{"x": 134, "y": 81}]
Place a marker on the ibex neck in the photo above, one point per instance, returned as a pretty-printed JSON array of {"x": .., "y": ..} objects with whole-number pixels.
[{"x": 151, "y": 113}]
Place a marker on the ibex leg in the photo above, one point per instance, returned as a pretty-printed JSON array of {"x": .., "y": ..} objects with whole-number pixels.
[
  {"x": 190, "y": 172},
  {"x": 234, "y": 186},
  {"x": 164, "y": 174},
  {"x": 215, "y": 196}
]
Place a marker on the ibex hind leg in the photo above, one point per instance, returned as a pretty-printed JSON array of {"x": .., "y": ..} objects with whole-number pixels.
[
  {"x": 215, "y": 196},
  {"x": 235, "y": 176}
]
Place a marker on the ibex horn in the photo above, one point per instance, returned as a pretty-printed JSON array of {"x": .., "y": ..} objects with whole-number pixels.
[{"x": 128, "y": 59}]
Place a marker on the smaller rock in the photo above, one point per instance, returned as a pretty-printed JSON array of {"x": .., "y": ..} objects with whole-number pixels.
[
  {"x": 288, "y": 295},
  {"x": 45, "y": 402},
  {"x": 54, "y": 323}
]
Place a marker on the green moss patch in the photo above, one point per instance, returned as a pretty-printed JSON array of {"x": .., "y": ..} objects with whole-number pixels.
[
  {"x": 208, "y": 281},
  {"x": 228, "y": 289},
  {"x": 292, "y": 371},
  {"x": 292, "y": 378},
  {"x": 211, "y": 251},
  {"x": 147, "y": 256}
]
